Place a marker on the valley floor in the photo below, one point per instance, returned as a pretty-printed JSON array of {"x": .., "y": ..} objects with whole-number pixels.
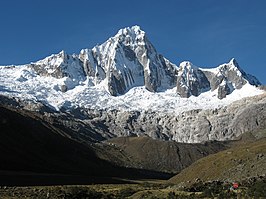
[
  {"x": 138, "y": 190},
  {"x": 134, "y": 191}
]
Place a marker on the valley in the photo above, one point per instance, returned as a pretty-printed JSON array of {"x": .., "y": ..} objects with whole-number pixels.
[
  {"x": 122, "y": 121},
  {"x": 110, "y": 164}
]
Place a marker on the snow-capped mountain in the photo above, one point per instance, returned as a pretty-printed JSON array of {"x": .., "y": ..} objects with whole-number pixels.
[
  {"x": 124, "y": 61},
  {"x": 129, "y": 60},
  {"x": 127, "y": 74},
  {"x": 225, "y": 78},
  {"x": 122, "y": 66}
]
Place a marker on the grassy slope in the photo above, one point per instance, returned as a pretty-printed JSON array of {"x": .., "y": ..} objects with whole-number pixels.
[
  {"x": 158, "y": 155},
  {"x": 245, "y": 159}
]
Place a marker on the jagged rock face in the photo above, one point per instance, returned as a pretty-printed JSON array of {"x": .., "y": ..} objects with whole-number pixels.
[
  {"x": 226, "y": 78},
  {"x": 224, "y": 89},
  {"x": 59, "y": 66},
  {"x": 232, "y": 73},
  {"x": 192, "y": 126},
  {"x": 91, "y": 68},
  {"x": 116, "y": 83},
  {"x": 128, "y": 59},
  {"x": 225, "y": 123},
  {"x": 191, "y": 80}
]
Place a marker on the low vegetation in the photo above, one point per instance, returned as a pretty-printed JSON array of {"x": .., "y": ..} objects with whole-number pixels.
[
  {"x": 235, "y": 164},
  {"x": 250, "y": 188},
  {"x": 28, "y": 145}
]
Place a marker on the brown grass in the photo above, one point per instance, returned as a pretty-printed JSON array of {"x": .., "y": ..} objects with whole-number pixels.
[{"x": 236, "y": 163}]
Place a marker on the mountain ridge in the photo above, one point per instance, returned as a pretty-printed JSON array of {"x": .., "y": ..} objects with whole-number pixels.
[{"x": 129, "y": 59}]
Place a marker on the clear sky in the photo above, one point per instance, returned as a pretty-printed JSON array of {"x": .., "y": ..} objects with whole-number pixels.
[{"x": 205, "y": 32}]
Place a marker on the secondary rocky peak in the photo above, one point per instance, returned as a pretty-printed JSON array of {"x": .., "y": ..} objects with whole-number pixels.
[
  {"x": 62, "y": 54},
  {"x": 231, "y": 66},
  {"x": 186, "y": 65},
  {"x": 225, "y": 78},
  {"x": 60, "y": 66},
  {"x": 232, "y": 73},
  {"x": 191, "y": 80}
]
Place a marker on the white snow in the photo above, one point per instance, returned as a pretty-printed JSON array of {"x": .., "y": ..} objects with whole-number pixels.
[
  {"x": 22, "y": 82},
  {"x": 212, "y": 70},
  {"x": 218, "y": 70},
  {"x": 92, "y": 92}
]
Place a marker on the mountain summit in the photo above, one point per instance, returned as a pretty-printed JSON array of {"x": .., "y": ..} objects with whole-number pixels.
[{"x": 127, "y": 60}]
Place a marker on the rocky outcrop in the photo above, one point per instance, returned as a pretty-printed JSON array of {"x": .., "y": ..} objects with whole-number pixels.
[
  {"x": 225, "y": 88},
  {"x": 193, "y": 126}
]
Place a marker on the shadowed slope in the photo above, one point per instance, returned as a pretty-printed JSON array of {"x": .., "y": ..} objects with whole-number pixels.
[
  {"x": 34, "y": 153},
  {"x": 158, "y": 155}
]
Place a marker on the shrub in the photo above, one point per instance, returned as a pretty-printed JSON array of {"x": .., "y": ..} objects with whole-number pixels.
[
  {"x": 258, "y": 189},
  {"x": 171, "y": 195},
  {"x": 126, "y": 192},
  {"x": 81, "y": 193}
]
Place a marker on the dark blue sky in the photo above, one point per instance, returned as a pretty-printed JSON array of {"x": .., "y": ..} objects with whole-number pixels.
[{"x": 205, "y": 32}]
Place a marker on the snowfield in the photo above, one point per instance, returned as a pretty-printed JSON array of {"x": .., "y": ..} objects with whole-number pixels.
[{"x": 24, "y": 83}]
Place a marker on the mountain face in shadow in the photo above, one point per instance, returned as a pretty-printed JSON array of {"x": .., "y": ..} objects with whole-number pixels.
[
  {"x": 154, "y": 154},
  {"x": 34, "y": 152}
]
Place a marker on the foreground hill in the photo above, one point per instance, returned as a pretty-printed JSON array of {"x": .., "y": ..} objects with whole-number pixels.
[{"x": 243, "y": 161}]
